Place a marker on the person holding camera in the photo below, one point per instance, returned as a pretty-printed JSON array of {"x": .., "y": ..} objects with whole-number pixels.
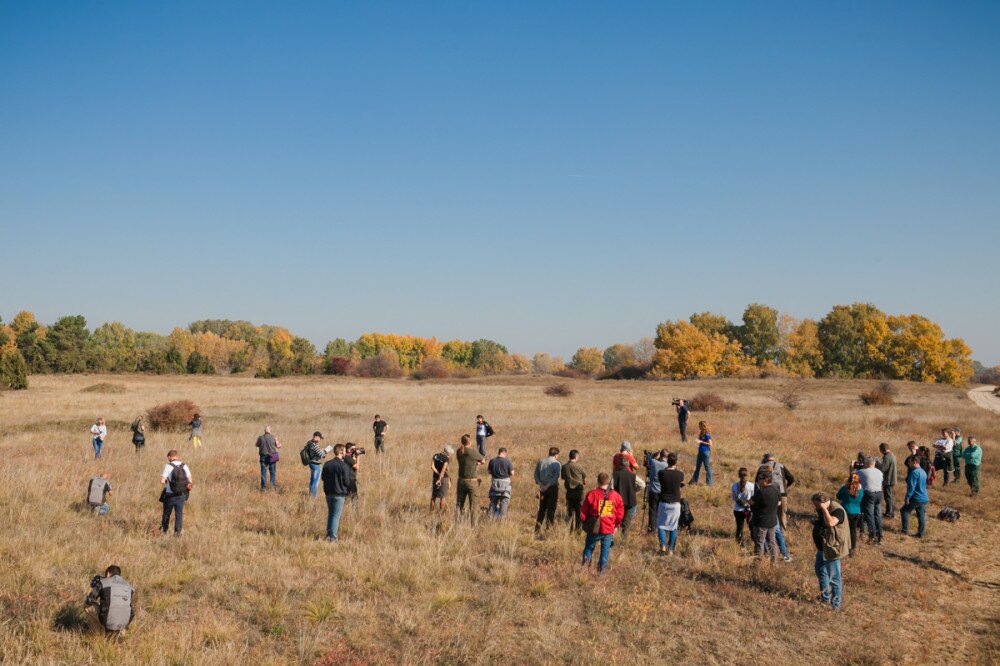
[
  {"x": 98, "y": 434},
  {"x": 379, "y": 427},
  {"x": 316, "y": 455},
  {"x": 655, "y": 463},
  {"x": 98, "y": 491},
  {"x": 440, "y": 483},
  {"x": 352, "y": 458},
  {"x": 682, "y": 416},
  {"x": 111, "y": 602}
]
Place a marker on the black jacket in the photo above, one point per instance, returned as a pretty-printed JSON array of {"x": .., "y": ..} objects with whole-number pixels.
[{"x": 336, "y": 477}]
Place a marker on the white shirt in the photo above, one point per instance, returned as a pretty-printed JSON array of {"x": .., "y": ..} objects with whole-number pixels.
[
  {"x": 744, "y": 495},
  {"x": 945, "y": 445},
  {"x": 99, "y": 431},
  {"x": 168, "y": 469}
]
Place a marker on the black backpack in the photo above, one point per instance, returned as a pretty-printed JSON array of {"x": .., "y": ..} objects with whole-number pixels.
[
  {"x": 179, "y": 480},
  {"x": 686, "y": 518},
  {"x": 304, "y": 455}
]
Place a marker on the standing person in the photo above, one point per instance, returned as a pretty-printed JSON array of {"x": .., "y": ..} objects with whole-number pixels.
[
  {"x": 850, "y": 497},
  {"x": 782, "y": 479},
  {"x": 138, "y": 434},
  {"x": 916, "y": 498},
  {"x": 764, "y": 506},
  {"x": 742, "y": 492},
  {"x": 267, "y": 450},
  {"x": 469, "y": 462},
  {"x": 548, "y": 471},
  {"x": 889, "y": 477},
  {"x": 942, "y": 453},
  {"x": 99, "y": 433},
  {"x": 831, "y": 539},
  {"x": 483, "y": 430},
  {"x": 379, "y": 427},
  {"x": 871, "y": 502},
  {"x": 195, "y": 435},
  {"x": 623, "y": 467},
  {"x": 336, "y": 485},
  {"x": 574, "y": 480},
  {"x": 973, "y": 456},
  {"x": 911, "y": 452},
  {"x": 316, "y": 455},
  {"x": 501, "y": 469},
  {"x": 177, "y": 484},
  {"x": 704, "y": 454},
  {"x": 924, "y": 457},
  {"x": 654, "y": 464},
  {"x": 439, "y": 482},
  {"x": 669, "y": 510},
  {"x": 682, "y": 417},
  {"x": 111, "y": 601},
  {"x": 956, "y": 452},
  {"x": 98, "y": 491},
  {"x": 352, "y": 458},
  {"x": 603, "y": 507}
]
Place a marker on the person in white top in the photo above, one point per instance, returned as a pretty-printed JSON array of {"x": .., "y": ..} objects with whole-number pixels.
[
  {"x": 871, "y": 503},
  {"x": 177, "y": 483},
  {"x": 942, "y": 456},
  {"x": 100, "y": 433},
  {"x": 741, "y": 492}
]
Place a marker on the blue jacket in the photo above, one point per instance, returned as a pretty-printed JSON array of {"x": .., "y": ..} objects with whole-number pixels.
[{"x": 916, "y": 486}]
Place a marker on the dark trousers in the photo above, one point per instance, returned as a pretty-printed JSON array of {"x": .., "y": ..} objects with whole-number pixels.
[
  {"x": 653, "y": 506},
  {"x": 890, "y": 502},
  {"x": 871, "y": 508},
  {"x": 682, "y": 425},
  {"x": 574, "y": 502},
  {"x": 921, "y": 510},
  {"x": 853, "y": 521},
  {"x": 379, "y": 444},
  {"x": 547, "y": 504},
  {"x": 467, "y": 492},
  {"x": 481, "y": 445},
  {"x": 173, "y": 503},
  {"x": 267, "y": 467},
  {"x": 972, "y": 477},
  {"x": 742, "y": 518}
]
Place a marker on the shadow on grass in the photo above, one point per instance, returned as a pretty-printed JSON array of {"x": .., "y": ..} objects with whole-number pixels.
[
  {"x": 71, "y": 618},
  {"x": 937, "y": 566},
  {"x": 748, "y": 583}
]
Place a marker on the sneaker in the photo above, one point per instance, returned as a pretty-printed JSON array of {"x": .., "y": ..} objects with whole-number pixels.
[{"x": 787, "y": 558}]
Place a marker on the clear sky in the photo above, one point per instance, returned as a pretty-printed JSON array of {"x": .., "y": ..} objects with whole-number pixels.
[{"x": 548, "y": 175}]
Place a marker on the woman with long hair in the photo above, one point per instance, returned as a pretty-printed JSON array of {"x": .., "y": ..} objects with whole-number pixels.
[
  {"x": 741, "y": 492},
  {"x": 138, "y": 434},
  {"x": 704, "y": 454},
  {"x": 849, "y": 496},
  {"x": 624, "y": 466}
]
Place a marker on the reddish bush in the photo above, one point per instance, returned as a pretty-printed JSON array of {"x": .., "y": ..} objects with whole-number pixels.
[
  {"x": 171, "y": 416},
  {"x": 339, "y": 365},
  {"x": 570, "y": 373},
  {"x": 710, "y": 402},
  {"x": 386, "y": 364},
  {"x": 883, "y": 394},
  {"x": 432, "y": 368},
  {"x": 559, "y": 390}
]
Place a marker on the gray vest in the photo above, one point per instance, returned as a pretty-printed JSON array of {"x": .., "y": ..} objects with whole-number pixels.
[
  {"x": 95, "y": 494},
  {"x": 119, "y": 603},
  {"x": 778, "y": 476}
]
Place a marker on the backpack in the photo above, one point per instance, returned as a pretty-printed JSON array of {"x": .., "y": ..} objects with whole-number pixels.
[
  {"x": 489, "y": 429},
  {"x": 119, "y": 603},
  {"x": 178, "y": 480},
  {"x": 950, "y": 514},
  {"x": 304, "y": 456},
  {"x": 836, "y": 540},
  {"x": 686, "y": 518},
  {"x": 95, "y": 493}
]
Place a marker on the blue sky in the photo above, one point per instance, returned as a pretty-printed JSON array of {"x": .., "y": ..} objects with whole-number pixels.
[{"x": 548, "y": 175}]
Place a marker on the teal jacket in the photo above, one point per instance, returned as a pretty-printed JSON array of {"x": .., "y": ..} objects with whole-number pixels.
[
  {"x": 973, "y": 455},
  {"x": 852, "y": 505}
]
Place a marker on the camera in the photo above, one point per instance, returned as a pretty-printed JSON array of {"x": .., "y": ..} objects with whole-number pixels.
[
  {"x": 356, "y": 451},
  {"x": 676, "y": 402},
  {"x": 648, "y": 455}
]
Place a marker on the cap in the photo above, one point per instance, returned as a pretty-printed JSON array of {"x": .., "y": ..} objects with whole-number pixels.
[{"x": 318, "y": 434}]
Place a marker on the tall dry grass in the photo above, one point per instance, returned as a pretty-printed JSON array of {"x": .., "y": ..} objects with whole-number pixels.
[{"x": 252, "y": 581}]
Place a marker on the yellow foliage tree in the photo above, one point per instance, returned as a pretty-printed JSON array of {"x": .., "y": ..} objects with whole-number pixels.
[
  {"x": 684, "y": 352},
  {"x": 801, "y": 354},
  {"x": 218, "y": 350},
  {"x": 916, "y": 349},
  {"x": 588, "y": 360},
  {"x": 182, "y": 342}
]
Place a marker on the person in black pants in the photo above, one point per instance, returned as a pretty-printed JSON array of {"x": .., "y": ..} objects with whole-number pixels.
[
  {"x": 547, "y": 474},
  {"x": 575, "y": 481},
  {"x": 682, "y": 418},
  {"x": 379, "y": 427},
  {"x": 177, "y": 483}
]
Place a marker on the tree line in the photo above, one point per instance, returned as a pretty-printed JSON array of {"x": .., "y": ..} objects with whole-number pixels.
[{"x": 851, "y": 341}]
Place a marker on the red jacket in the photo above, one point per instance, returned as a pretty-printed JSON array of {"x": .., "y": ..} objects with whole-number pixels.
[{"x": 612, "y": 513}]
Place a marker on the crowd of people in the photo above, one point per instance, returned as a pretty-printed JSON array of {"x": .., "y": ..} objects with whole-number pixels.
[{"x": 760, "y": 506}]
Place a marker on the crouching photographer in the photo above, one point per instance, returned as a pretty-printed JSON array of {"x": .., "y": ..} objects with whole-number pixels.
[
  {"x": 655, "y": 461},
  {"x": 353, "y": 459}
]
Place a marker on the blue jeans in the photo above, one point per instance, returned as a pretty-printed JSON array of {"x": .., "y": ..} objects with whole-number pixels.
[
  {"x": 334, "y": 509},
  {"x": 704, "y": 458},
  {"x": 265, "y": 468},
  {"x": 921, "y": 509},
  {"x": 173, "y": 503},
  {"x": 98, "y": 445},
  {"x": 588, "y": 549},
  {"x": 663, "y": 538},
  {"x": 780, "y": 538},
  {"x": 315, "y": 469},
  {"x": 830, "y": 585}
]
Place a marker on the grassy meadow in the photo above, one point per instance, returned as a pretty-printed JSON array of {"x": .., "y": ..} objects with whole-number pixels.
[{"x": 252, "y": 581}]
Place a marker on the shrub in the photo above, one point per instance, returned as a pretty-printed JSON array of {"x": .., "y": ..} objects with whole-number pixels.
[
  {"x": 902, "y": 424},
  {"x": 385, "y": 364},
  {"x": 883, "y": 394},
  {"x": 559, "y": 390},
  {"x": 13, "y": 370},
  {"x": 710, "y": 402},
  {"x": 570, "y": 373},
  {"x": 171, "y": 416},
  {"x": 104, "y": 387},
  {"x": 432, "y": 368},
  {"x": 790, "y": 394},
  {"x": 629, "y": 372},
  {"x": 338, "y": 365}
]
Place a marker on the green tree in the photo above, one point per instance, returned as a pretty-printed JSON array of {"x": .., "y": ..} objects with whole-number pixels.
[
  {"x": 30, "y": 336},
  {"x": 712, "y": 324},
  {"x": 618, "y": 356},
  {"x": 304, "y": 357},
  {"x": 759, "y": 336},
  {"x": 852, "y": 340},
  {"x": 67, "y": 345},
  {"x": 13, "y": 369},
  {"x": 199, "y": 365},
  {"x": 488, "y": 356},
  {"x": 114, "y": 349},
  {"x": 458, "y": 352}
]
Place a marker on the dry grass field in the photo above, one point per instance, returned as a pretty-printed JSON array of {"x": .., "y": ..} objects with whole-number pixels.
[{"x": 252, "y": 582}]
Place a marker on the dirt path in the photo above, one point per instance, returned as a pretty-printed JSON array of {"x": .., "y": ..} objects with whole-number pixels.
[{"x": 983, "y": 396}]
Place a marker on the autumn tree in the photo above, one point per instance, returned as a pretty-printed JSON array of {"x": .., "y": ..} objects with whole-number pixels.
[
  {"x": 617, "y": 356},
  {"x": 588, "y": 360},
  {"x": 644, "y": 351},
  {"x": 30, "y": 337},
  {"x": 489, "y": 357},
  {"x": 684, "y": 351},
  {"x": 758, "y": 335},
  {"x": 544, "y": 364},
  {"x": 712, "y": 324},
  {"x": 13, "y": 369},
  {"x": 114, "y": 348},
  {"x": 916, "y": 349},
  {"x": 852, "y": 340},
  {"x": 800, "y": 353},
  {"x": 67, "y": 345}
]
